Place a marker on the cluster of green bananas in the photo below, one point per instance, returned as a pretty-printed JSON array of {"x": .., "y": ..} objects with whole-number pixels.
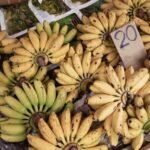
[
  {"x": 78, "y": 71},
  {"x": 67, "y": 132},
  {"x": 8, "y": 79},
  {"x": 7, "y": 44},
  {"x": 38, "y": 50},
  {"x": 95, "y": 34},
  {"x": 69, "y": 34},
  {"x": 114, "y": 94},
  {"x": 30, "y": 102},
  {"x": 138, "y": 11}
]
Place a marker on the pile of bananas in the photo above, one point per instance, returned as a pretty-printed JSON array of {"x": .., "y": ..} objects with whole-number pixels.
[
  {"x": 7, "y": 44},
  {"x": 56, "y": 28},
  {"x": 114, "y": 97},
  {"x": 77, "y": 72},
  {"x": 95, "y": 34},
  {"x": 21, "y": 112},
  {"x": 67, "y": 133},
  {"x": 138, "y": 11}
]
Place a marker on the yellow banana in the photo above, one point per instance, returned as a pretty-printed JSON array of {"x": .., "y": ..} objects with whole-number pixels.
[
  {"x": 43, "y": 40},
  {"x": 88, "y": 36},
  {"x": 134, "y": 123},
  {"x": 8, "y": 41},
  {"x": 23, "y": 52},
  {"x": 120, "y": 5},
  {"x": 145, "y": 29}
]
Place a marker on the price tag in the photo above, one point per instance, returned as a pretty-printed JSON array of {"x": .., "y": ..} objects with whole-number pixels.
[{"x": 129, "y": 45}]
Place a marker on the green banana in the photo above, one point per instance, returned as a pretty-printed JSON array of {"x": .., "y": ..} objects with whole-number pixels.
[
  {"x": 70, "y": 35},
  {"x": 4, "y": 79},
  {"x": 69, "y": 106},
  {"x": 2, "y": 101},
  {"x": 47, "y": 27},
  {"x": 56, "y": 27},
  {"x": 39, "y": 27},
  {"x": 12, "y": 121},
  {"x": 64, "y": 30}
]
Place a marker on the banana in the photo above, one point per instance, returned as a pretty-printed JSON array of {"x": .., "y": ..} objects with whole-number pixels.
[
  {"x": 114, "y": 138},
  {"x": 112, "y": 20},
  {"x": 23, "y": 98},
  {"x": 20, "y": 59},
  {"x": 39, "y": 143},
  {"x": 120, "y": 21},
  {"x": 22, "y": 67},
  {"x": 56, "y": 127},
  {"x": 8, "y": 112},
  {"x": 106, "y": 110},
  {"x": 3, "y": 34},
  {"x": 42, "y": 40},
  {"x": 77, "y": 65},
  {"x": 57, "y": 59},
  {"x": 89, "y": 29},
  {"x": 138, "y": 141},
  {"x": 64, "y": 30},
  {"x": 39, "y": 27},
  {"x": 13, "y": 138},
  {"x": 4, "y": 79},
  {"x": 27, "y": 45},
  {"x": 120, "y": 5},
  {"x": 9, "y": 48},
  {"x": 51, "y": 95},
  {"x": 12, "y": 121},
  {"x": 130, "y": 110},
  {"x": 84, "y": 128},
  {"x": 7, "y": 41},
  {"x": 56, "y": 45},
  {"x": 100, "y": 99},
  {"x": 138, "y": 101},
  {"x": 56, "y": 28},
  {"x": 145, "y": 90},
  {"x": 71, "y": 51},
  {"x": 34, "y": 38},
  {"x": 99, "y": 51},
  {"x": 86, "y": 61},
  {"x": 70, "y": 35},
  {"x": 72, "y": 95},
  {"x": 108, "y": 125},
  {"x": 46, "y": 132},
  {"x": 132, "y": 133},
  {"x": 147, "y": 99},
  {"x": 129, "y": 71},
  {"x": 4, "y": 90},
  {"x": 47, "y": 28},
  {"x": 88, "y": 36},
  {"x": 41, "y": 93},
  {"x": 85, "y": 20},
  {"x": 12, "y": 129},
  {"x": 112, "y": 77},
  {"x": 31, "y": 94},
  {"x": 2, "y": 101},
  {"x": 139, "y": 21},
  {"x": 23, "y": 52},
  {"x": 145, "y": 28},
  {"x": 141, "y": 114},
  {"x": 91, "y": 137},
  {"x": 66, "y": 124},
  {"x": 96, "y": 22},
  {"x": 104, "y": 20},
  {"x": 15, "y": 104},
  {"x": 70, "y": 70},
  {"x": 135, "y": 78},
  {"x": 134, "y": 123},
  {"x": 105, "y": 87},
  {"x": 62, "y": 51},
  {"x": 60, "y": 100},
  {"x": 145, "y": 38}
]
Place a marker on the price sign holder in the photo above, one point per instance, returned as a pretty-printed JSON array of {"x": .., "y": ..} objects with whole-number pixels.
[{"x": 129, "y": 45}]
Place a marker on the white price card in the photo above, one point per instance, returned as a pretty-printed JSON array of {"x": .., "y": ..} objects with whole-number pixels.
[{"x": 129, "y": 45}]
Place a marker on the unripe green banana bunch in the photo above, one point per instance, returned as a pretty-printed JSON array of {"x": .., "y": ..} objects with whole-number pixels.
[
  {"x": 95, "y": 34},
  {"x": 7, "y": 44},
  {"x": 77, "y": 72},
  {"x": 29, "y": 104},
  {"x": 38, "y": 50},
  {"x": 69, "y": 34},
  {"x": 115, "y": 92},
  {"x": 138, "y": 121},
  {"x": 67, "y": 132},
  {"x": 8, "y": 79},
  {"x": 138, "y": 11}
]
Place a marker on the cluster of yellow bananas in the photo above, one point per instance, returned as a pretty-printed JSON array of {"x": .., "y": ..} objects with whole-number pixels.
[
  {"x": 56, "y": 28},
  {"x": 31, "y": 102},
  {"x": 138, "y": 11},
  {"x": 38, "y": 50},
  {"x": 67, "y": 132},
  {"x": 7, "y": 44},
  {"x": 9, "y": 79},
  {"x": 78, "y": 71},
  {"x": 114, "y": 94},
  {"x": 95, "y": 34}
]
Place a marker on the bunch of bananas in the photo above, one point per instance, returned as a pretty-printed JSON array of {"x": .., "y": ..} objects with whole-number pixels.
[
  {"x": 38, "y": 50},
  {"x": 138, "y": 11},
  {"x": 77, "y": 72},
  {"x": 9, "y": 79},
  {"x": 29, "y": 103},
  {"x": 114, "y": 94},
  {"x": 138, "y": 121},
  {"x": 69, "y": 34},
  {"x": 67, "y": 133},
  {"x": 7, "y": 44},
  {"x": 95, "y": 34}
]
